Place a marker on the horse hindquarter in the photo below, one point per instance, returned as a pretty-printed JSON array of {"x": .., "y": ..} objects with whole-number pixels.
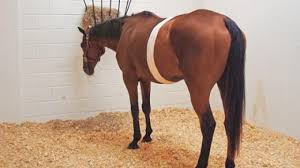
[{"x": 201, "y": 42}]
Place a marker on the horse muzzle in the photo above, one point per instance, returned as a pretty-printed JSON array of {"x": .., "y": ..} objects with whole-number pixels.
[{"x": 89, "y": 71}]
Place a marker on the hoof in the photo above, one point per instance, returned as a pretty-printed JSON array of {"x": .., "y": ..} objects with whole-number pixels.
[
  {"x": 133, "y": 145},
  {"x": 147, "y": 139}
]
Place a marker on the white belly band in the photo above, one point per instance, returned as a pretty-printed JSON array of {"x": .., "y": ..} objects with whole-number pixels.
[{"x": 150, "y": 53}]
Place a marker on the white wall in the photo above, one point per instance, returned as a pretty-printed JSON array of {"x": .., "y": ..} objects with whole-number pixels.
[
  {"x": 9, "y": 83},
  {"x": 53, "y": 83},
  {"x": 273, "y": 59}
]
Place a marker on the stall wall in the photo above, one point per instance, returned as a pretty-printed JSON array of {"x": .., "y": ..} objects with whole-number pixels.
[{"x": 9, "y": 73}]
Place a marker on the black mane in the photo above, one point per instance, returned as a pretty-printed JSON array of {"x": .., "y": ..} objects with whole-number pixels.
[
  {"x": 144, "y": 13},
  {"x": 112, "y": 29}
]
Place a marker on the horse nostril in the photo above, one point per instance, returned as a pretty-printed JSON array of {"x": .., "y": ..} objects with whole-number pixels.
[{"x": 86, "y": 68}]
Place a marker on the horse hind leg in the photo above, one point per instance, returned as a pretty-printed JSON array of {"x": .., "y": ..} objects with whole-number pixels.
[
  {"x": 231, "y": 142},
  {"x": 200, "y": 102},
  {"x": 230, "y": 139},
  {"x": 207, "y": 124}
]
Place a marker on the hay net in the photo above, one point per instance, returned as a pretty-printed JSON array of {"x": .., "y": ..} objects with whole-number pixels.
[
  {"x": 88, "y": 19},
  {"x": 95, "y": 14}
]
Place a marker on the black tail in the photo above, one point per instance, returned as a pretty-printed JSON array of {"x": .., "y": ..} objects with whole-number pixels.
[{"x": 232, "y": 86}]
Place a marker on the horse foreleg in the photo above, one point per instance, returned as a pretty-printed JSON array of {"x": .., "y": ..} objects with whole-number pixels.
[
  {"x": 146, "y": 88},
  {"x": 131, "y": 83}
]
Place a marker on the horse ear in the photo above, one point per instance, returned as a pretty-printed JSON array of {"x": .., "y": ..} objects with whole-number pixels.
[{"x": 81, "y": 30}]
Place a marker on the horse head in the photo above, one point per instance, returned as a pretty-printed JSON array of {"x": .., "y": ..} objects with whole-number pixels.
[
  {"x": 94, "y": 38},
  {"x": 92, "y": 51}
]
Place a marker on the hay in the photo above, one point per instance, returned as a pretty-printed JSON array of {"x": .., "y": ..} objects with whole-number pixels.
[
  {"x": 88, "y": 18},
  {"x": 101, "y": 141}
]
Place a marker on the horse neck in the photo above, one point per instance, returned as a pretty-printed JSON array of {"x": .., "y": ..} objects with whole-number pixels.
[
  {"x": 129, "y": 21},
  {"x": 111, "y": 44}
]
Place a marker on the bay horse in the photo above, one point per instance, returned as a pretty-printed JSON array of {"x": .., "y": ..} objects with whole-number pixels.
[{"x": 203, "y": 48}]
